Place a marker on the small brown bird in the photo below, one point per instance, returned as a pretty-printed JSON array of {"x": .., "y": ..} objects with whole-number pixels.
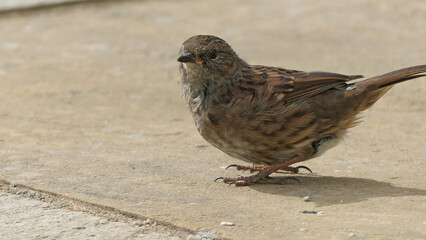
[{"x": 270, "y": 116}]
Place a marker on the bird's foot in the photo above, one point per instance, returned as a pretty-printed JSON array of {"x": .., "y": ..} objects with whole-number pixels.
[
  {"x": 253, "y": 168},
  {"x": 260, "y": 168},
  {"x": 241, "y": 181},
  {"x": 263, "y": 173},
  {"x": 249, "y": 180}
]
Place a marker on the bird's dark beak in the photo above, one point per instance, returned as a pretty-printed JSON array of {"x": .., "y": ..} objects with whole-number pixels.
[{"x": 187, "y": 57}]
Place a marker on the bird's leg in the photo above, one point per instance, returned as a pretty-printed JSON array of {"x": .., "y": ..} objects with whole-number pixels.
[{"x": 263, "y": 173}]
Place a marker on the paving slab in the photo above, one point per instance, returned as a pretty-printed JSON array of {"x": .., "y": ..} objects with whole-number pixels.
[
  {"x": 26, "y": 218},
  {"x": 91, "y": 108}
]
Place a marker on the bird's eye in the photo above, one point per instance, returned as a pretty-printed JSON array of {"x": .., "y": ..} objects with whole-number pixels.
[{"x": 213, "y": 55}]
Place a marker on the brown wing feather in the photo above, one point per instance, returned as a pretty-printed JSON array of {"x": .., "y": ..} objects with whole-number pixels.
[{"x": 294, "y": 84}]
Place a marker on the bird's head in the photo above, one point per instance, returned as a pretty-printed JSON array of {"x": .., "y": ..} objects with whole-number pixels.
[{"x": 207, "y": 60}]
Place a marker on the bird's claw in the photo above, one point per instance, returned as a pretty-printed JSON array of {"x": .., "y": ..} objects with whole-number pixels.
[
  {"x": 232, "y": 165},
  {"x": 304, "y": 167},
  {"x": 218, "y": 178}
]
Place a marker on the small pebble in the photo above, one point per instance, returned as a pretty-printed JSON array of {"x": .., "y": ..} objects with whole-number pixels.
[
  {"x": 313, "y": 212},
  {"x": 310, "y": 212},
  {"x": 200, "y": 145},
  {"x": 301, "y": 230},
  {"x": 103, "y": 221},
  {"x": 227, "y": 224},
  {"x": 40, "y": 195},
  {"x": 307, "y": 199},
  {"x": 147, "y": 222},
  {"x": 77, "y": 208}
]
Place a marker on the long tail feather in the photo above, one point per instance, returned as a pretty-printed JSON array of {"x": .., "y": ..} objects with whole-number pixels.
[{"x": 394, "y": 77}]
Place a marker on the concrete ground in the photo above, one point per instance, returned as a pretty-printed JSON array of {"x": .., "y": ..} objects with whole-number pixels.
[
  {"x": 13, "y": 5},
  {"x": 91, "y": 110},
  {"x": 25, "y": 218}
]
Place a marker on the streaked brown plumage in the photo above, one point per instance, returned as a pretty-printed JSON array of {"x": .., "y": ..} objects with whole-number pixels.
[{"x": 272, "y": 116}]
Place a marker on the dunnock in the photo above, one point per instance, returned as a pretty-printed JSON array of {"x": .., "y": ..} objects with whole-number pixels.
[{"x": 269, "y": 116}]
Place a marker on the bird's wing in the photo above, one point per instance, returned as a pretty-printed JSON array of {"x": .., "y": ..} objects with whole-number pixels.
[{"x": 294, "y": 84}]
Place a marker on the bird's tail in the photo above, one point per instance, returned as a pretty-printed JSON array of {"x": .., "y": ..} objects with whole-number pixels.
[
  {"x": 389, "y": 79},
  {"x": 377, "y": 86}
]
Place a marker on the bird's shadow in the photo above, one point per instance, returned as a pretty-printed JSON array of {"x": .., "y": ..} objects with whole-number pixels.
[{"x": 326, "y": 190}]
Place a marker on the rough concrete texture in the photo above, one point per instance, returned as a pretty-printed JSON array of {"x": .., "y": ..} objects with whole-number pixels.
[
  {"x": 25, "y": 218},
  {"x": 91, "y": 108}
]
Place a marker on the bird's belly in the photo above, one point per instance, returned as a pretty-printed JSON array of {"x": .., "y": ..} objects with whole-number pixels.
[{"x": 251, "y": 145}]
